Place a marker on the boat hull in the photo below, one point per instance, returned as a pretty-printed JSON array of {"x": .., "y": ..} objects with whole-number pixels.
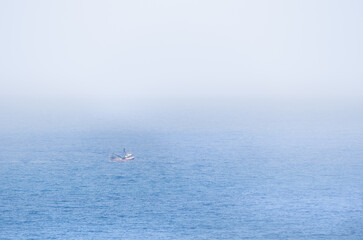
[{"x": 123, "y": 159}]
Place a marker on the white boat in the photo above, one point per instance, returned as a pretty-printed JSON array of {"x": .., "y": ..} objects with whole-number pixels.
[{"x": 125, "y": 157}]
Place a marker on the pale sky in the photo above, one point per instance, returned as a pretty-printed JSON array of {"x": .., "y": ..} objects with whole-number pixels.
[{"x": 186, "y": 48}]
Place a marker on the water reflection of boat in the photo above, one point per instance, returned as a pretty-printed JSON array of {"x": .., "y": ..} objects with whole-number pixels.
[{"x": 124, "y": 157}]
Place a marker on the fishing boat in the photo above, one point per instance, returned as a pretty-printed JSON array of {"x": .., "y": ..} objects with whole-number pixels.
[{"x": 124, "y": 157}]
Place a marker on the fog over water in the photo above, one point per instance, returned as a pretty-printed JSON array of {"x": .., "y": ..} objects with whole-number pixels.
[
  {"x": 79, "y": 64},
  {"x": 245, "y": 117},
  {"x": 170, "y": 114}
]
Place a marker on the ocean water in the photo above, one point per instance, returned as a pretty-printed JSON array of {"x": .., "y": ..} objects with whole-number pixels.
[{"x": 218, "y": 184}]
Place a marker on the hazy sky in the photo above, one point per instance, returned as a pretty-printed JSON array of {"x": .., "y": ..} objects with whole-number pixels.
[{"x": 164, "y": 48}]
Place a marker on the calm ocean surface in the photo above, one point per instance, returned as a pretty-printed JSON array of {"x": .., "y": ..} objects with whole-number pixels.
[{"x": 303, "y": 184}]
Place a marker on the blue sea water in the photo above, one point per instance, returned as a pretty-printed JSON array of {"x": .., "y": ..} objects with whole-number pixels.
[{"x": 277, "y": 184}]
